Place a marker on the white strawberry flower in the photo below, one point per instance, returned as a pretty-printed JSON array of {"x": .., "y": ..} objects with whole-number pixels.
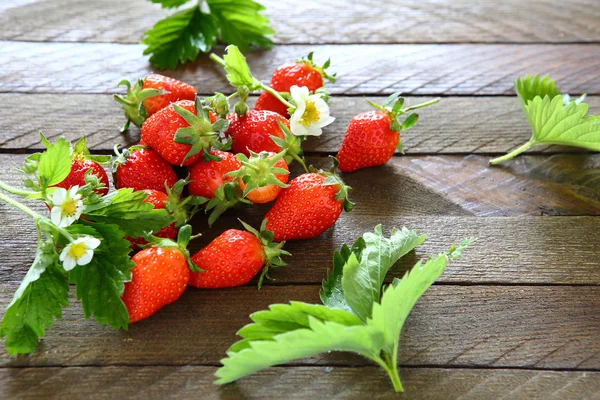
[
  {"x": 311, "y": 114},
  {"x": 67, "y": 206},
  {"x": 79, "y": 252}
]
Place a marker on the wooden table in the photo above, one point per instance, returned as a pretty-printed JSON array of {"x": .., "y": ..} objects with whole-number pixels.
[{"x": 517, "y": 317}]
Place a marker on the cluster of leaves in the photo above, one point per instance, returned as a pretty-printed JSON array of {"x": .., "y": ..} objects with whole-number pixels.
[
  {"x": 182, "y": 36},
  {"x": 99, "y": 285},
  {"x": 357, "y": 315},
  {"x": 555, "y": 118}
]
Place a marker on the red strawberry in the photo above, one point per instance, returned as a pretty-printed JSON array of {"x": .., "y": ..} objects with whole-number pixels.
[
  {"x": 79, "y": 167},
  {"x": 159, "y": 277},
  {"x": 303, "y": 72},
  {"x": 235, "y": 257},
  {"x": 308, "y": 207},
  {"x": 182, "y": 131},
  {"x": 373, "y": 137},
  {"x": 262, "y": 176},
  {"x": 253, "y": 131},
  {"x": 158, "y": 200},
  {"x": 142, "y": 168},
  {"x": 206, "y": 177},
  {"x": 151, "y": 94}
]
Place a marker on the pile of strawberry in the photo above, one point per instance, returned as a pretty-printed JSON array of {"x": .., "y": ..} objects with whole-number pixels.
[{"x": 231, "y": 158}]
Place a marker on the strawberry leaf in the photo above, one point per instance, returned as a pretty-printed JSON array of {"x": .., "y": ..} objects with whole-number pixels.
[
  {"x": 180, "y": 37},
  {"x": 319, "y": 337},
  {"x": 55, "y": 163},
  {"x": 37, "y": 302},
  {"x": 364, "y": 273},
  {"x": 554, "y": 118},
  {"x": 401, "y": 296},
  {"x": 100, "y": 283},
  {"x": 170, "y": 3},
  {"x": 127, "y": 209}
]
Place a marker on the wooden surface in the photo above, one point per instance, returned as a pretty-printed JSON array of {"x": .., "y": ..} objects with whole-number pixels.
[{"x": 516, "y": 318}]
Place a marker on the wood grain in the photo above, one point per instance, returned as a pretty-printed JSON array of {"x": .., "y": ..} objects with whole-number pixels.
[
  {"x": 477, "y": 125},
  {"x": 308, "y": 383},
  {"x": 314, "y": 21},
  {"x": 476, "y": 326},
  {"x": 455, "y": 69}
]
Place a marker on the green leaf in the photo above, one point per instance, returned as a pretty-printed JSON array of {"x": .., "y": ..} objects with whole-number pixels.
[
  {"x": 400, "y": 297},
  {"x": 100, "y": 283},
  {"x": 55, "y": 163},
  {"x": 127, "y": 209},
  {"x": 180, "y": 37},
  {"x": 238, "y": 72},
  {"x": 36, "y": 303},
  {"x": 170, "y": 3},
  {"x": 320, "y": 337},
  {"x": 554, "y": 123},
  {"x": 529, "y": 87},
  {"x": 282, "y": 318},
  {"x": 241, "y": 23},
  {"x": 363, "y": 274}
]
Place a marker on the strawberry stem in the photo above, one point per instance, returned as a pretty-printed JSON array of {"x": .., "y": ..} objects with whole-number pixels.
[
  {"x": 417, "y": 106},
  {"x": 278, "y": 96},
  {"x": 14, "y": 190},
  {"x": 513, "y": 153}
]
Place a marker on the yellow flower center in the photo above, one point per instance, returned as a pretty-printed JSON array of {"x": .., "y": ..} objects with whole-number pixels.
[
  {"x": 69, "y": 208},
  {"x": 76, "y": 251},
  {"x": 311, "y": 114}
]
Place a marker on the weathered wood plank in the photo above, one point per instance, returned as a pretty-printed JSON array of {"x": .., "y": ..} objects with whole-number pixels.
[
  {"x": 315, "y": 21},
  {"x": 455, "y": 125},
  {"x": 465, "y": 69},
  {"x": 294, "y": 383},
  {"x": 478, "y": 326},
  {"x": 435, "y": 200}
]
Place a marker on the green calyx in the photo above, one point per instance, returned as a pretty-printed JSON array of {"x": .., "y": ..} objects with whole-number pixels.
[
  {"x": 81, "y": 152},
  {"x": 273, "y": 250},
  {"x": 183, "y": 238},
  {"x": 182, "y": 209},
  {"x": 218, "y": 104},
  {"x": 121, "y": 157},
  {"x": 392, "y": 107},
  {"x": 292, "y": 145},
  {"x": 132, "y": 102},
  {"x": 259, "y": 170},
  {"x": 226, "y": 196},
  {"x": 332, "y": 178},
  {"x": 201, "y": 135},
  {"x": 308, "y": 60}
]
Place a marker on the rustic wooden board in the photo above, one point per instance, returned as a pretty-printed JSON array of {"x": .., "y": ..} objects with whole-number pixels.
[
  {"x": 315, "y": 21},
  {"x": 295, "y": 383},
  {"x": 477, "y": 326},
  {"x": 456, "y": 69},
  {"x": 455, "y": 125}
]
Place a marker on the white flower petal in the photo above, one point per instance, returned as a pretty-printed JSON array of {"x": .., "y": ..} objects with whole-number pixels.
[
  {"x": 56, "y": 215},
  {"x": 297, "y": 128},
  {"x": 64, "y": 253},
  {"x": 73, "y": 191},
  {"x": 85, "y": 258},
  {"x": 313, "y": 130},
  {"x": 91, "y": 242},
  {"x": 69, "y": 263},
  {"x": 324, "y": 122},
  {"x": 59, "y": 196}
]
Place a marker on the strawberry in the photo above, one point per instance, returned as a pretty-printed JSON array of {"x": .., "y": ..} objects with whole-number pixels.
[
  {"x": 157, "y": 199},
  {"x": 206, "y": 177},
  {"x": 142, "y": 168},
  {"x": 303, "y": 72},
  {"x": 372, "y": 137},
  {"x": 253, "y": 131},
  {"x": 308, "y": 207},
  {"x": 81, "y": 163},
  {"x": 183, "y": 131},
  {"x": 209, "y": 180},
  {"x": 160, "y": 276},
  {"x": 235, "y": 257},
  {"x": 150, "y": 95},
  {"x": 262, "y": 176}
]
